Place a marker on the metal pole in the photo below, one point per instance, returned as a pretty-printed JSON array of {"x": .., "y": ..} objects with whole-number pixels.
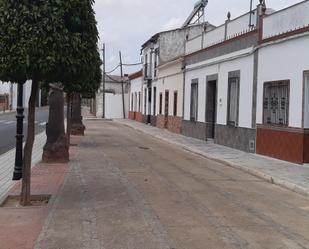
[
  {"x": 121, "y": 74},
  {"x": 251, "y": 12},
  {"x": 17, "y": 175},
  {"x": 104, "y": 81}
]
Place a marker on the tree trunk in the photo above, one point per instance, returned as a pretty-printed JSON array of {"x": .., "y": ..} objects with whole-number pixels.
[
  {"x": 26, "y": 181},
  {"x": 77, "y": 127},
  {"x": 69, "y": 117},
  {"x": 56, "y": 149}
]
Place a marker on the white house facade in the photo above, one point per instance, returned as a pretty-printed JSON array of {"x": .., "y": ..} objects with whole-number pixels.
[
  {"x": 283, "y": 85},
  {"x": 220, "y": 83},
  {"x": 8, "y": 95},
  {"x": 243, "y": 84},
  {"x": 136, "y": 90}
]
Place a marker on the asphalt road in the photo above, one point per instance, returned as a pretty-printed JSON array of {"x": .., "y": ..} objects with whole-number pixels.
[
  {"x": 136, "y": 192},
  {"x": 8, "y": 127}
]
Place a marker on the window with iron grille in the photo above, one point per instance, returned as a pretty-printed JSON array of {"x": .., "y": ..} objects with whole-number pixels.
[
  {"x": 276, "y": 103},
  {"x": 233, "y": 101},
  {"x": 175, "y": 102},
  {"x": 160, "y": 103},
  {"x": 194, "y": 100}
]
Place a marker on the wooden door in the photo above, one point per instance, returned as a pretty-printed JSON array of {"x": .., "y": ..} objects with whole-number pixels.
[
  {"x": 211, "y": 108},
  {"x": 166, "y": 107}
]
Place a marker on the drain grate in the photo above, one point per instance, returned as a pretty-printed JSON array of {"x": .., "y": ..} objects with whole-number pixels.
[{"x": 143, "y": 148}]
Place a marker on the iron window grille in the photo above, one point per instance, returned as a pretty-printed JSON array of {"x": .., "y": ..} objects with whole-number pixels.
[
  {"x": 276, "y": 103},
  {"x": 233, "y": 101},
  {"x": 194, "y": 101}
]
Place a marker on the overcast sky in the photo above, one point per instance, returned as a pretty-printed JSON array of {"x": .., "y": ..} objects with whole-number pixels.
[{"x": 126, "y": 24}]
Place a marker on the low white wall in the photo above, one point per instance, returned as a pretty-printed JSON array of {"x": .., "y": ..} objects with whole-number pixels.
[
  {"x": 240, "y": 24},
  {"x": 194, "y": 44},
  {"x": 286, "y": 20},
  {"x": 113, "y": 105},
  {"x": 214, "y": 36}
]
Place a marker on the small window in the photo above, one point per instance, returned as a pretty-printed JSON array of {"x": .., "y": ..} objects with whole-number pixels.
[
  {"x": 194, "y": 101},
  {"x": 233, "y": 101},
  {"x": 276, "y": 103},
  {"x": 175, "y": 102},
  {"x": 160, "y": 104}
]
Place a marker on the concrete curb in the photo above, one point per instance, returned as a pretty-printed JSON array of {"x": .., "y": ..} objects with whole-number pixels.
[
  {"x": 98, "y": 119},
  {"x": 270, "y": 179},
  {"x": 40, "y": 140}
]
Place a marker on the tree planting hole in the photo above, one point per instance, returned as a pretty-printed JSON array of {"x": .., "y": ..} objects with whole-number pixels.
[{"x": 36, "y": 201}]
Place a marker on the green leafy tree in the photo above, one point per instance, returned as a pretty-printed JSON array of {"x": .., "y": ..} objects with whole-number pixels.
[
  {"x": 41, "y": 40},
  {"x": 89, "y": 77}
]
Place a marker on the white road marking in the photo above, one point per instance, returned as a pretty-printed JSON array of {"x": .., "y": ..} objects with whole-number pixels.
[{"x": 9, "y": 122}]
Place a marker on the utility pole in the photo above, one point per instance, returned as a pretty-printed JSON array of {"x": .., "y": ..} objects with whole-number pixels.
[
  {"x": 104, "y": 79},
  {"x": 18, "y": 174},
  {"x": 122, "y": 87}
]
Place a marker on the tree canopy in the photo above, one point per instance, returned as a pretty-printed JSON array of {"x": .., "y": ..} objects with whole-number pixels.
[{"x": 52, "y": 41}]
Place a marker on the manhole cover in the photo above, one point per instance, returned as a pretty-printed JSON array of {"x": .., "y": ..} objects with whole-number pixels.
[
  {"x": 143, "y": 148},
  {"x": 36, "y": 201}
]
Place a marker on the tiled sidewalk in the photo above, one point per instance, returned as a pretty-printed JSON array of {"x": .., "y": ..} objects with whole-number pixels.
[
  {"x": 288, "y": 175},
  {"x": 21, "y": 227},
  {"x": 7, "y": 163}
]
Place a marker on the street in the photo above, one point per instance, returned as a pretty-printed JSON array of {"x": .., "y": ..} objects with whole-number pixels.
[
  {"x": 8, "y": 127},
  {"x": 134, "y": 191}
]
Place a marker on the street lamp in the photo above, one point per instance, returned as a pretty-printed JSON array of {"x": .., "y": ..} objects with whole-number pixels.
[{"x": 17, "y": 175}]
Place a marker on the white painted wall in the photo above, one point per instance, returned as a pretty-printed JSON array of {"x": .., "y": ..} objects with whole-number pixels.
[
  {"x": 234, "y": 27},
  {"x": 113, "y": 105},
  {"x": 245, "y": 65},
  {"x": 26, "y": 94},
  {"x": 4, "y": 88},
  {"x": 286, "y": 20},
  {"x": 240, "y": 24},
  {"x": 136, "y": 87},
  {"x": 284, "y": 61},
  {"x": 214, "y": 36},
  {"x": 306, "y": 102},
  {"x": 194, "y": 44},
  {"x": 171, "y": 79}
]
